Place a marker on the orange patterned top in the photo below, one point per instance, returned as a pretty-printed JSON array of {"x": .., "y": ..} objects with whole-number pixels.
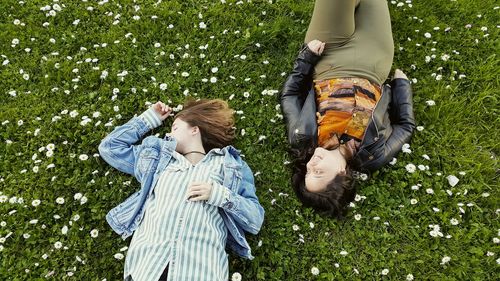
[{"x": 345, "y": 106}]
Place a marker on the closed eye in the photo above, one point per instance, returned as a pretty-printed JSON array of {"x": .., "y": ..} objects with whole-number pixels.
[{"x": 315, "y": 172}]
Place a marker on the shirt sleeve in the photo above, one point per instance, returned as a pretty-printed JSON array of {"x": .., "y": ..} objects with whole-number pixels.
[
  {"x": 151, "y": 117},
  {"x": 220, "y": 195}
]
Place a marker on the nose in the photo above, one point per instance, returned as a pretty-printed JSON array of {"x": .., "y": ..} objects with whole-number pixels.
[{"x": 313, "y": 162}]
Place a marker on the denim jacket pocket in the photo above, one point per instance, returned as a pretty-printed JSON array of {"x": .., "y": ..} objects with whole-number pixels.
[{"x": 147, "y": 157}]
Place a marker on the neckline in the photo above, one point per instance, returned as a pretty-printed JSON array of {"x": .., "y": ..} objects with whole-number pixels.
[{"x": 181, "y": 158}]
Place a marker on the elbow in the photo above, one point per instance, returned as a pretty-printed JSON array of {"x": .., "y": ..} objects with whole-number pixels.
[
  {"x": 260, "y": 221},
  {"x": 410, "y": 126},
  {"x": 256, "y": 224},
  {"x": 103, "y": 148}
]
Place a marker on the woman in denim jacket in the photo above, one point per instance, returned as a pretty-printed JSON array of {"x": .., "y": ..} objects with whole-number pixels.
[{"x": 197, "y": 195}]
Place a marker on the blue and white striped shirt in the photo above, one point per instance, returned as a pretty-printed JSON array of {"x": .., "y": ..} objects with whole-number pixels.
[{"x": 189, "y": 237}]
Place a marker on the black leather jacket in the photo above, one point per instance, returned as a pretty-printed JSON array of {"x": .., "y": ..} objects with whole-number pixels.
[{"x": 391, "y": 126}]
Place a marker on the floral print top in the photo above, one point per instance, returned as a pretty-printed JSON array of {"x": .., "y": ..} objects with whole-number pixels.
[{"x": 345, "y": 106}]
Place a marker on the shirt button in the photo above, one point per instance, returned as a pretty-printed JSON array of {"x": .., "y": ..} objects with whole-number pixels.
[
  {"x": 375, "y": 138},
  {"x": 229, "y": 205},
  {"x": 370, "y": 157}
]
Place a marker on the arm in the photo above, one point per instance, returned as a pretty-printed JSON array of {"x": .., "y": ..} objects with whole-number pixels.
[
  {"x": 118, "y": 148},
  {"x": 401, "y": 116},
  {"x": 296, "y": 88},
  {"x": 243, "y": 205},
  {"x": 402, "y": 122}
]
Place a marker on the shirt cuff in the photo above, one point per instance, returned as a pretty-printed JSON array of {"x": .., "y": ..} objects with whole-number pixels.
[
  {"x": 151, "y": 118},
  {"x": 219, "y": 195}
]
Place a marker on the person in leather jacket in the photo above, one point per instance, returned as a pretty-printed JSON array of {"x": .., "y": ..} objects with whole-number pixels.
[{"x": 340, "y": 116}]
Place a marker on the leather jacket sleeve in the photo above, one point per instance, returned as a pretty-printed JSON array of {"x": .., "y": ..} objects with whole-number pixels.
[
  {"x": 296, "y": 100},
  {"x": 401, "y": 116},
  {"x": 395, "y": 128}
]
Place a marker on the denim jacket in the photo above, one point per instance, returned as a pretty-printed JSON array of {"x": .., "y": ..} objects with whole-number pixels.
[{"x": 241, "y": 210}]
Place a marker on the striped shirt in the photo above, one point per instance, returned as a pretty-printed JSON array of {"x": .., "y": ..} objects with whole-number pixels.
[{"x": 189, "y": 237}]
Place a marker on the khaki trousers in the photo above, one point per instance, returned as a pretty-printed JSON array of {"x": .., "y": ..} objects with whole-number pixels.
[{"x": 358, "y": 39}]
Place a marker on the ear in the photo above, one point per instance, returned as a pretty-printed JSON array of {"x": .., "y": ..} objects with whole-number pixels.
[{"x": 195, "y": 130}]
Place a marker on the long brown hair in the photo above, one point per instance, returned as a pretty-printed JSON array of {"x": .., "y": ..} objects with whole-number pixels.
[{"x": 214, "y": 118}]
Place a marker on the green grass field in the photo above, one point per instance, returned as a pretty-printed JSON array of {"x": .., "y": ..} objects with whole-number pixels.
[{"x": 71, "y": 70}]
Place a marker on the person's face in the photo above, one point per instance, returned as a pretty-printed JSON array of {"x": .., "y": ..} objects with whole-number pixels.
[
  {"x": 323, "y": 167},
  {"x": 183, "y": 133}
]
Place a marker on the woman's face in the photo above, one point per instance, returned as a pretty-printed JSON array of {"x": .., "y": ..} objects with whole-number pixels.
[
  {"x": 323, "y": 167},
  {"x": 183, "y": 133}
]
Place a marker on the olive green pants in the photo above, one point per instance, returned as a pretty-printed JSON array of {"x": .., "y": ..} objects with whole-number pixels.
[{"x": 358, "y": 39}]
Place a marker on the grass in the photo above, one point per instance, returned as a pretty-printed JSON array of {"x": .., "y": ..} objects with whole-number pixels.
[{"x": 253, "y": 45}]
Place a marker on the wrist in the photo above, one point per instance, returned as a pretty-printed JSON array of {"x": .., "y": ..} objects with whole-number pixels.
[
  {"x": 219, "y": 195},
  {"x": 308, "y": 55},
  {"x": 151, "y": 117}
]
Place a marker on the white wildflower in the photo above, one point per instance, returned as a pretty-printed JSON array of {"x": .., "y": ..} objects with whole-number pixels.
[
  {"x": 77, "y": 196},
  {"x": 445, "y": 260},
  {"x": 410, "y": 168},
  {"x": 236, "y": 277}
]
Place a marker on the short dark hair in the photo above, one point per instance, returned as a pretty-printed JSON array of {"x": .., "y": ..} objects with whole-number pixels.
[{"x": 335, "y": 199}]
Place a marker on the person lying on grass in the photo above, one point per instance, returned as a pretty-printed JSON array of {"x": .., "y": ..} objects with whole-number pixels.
[
  {"x": 340, "y": 116},
  {"x": 197, "y": 195}
]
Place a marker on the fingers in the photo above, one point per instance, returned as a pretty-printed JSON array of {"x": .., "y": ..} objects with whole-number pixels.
[
  {"x": 322, "y": 48},
  {"x": 198, "y": 191},
  {"x": 197, "y": 195},
  {"x": 316, "y": 46},
  {"x": 162, "y": 109}
]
